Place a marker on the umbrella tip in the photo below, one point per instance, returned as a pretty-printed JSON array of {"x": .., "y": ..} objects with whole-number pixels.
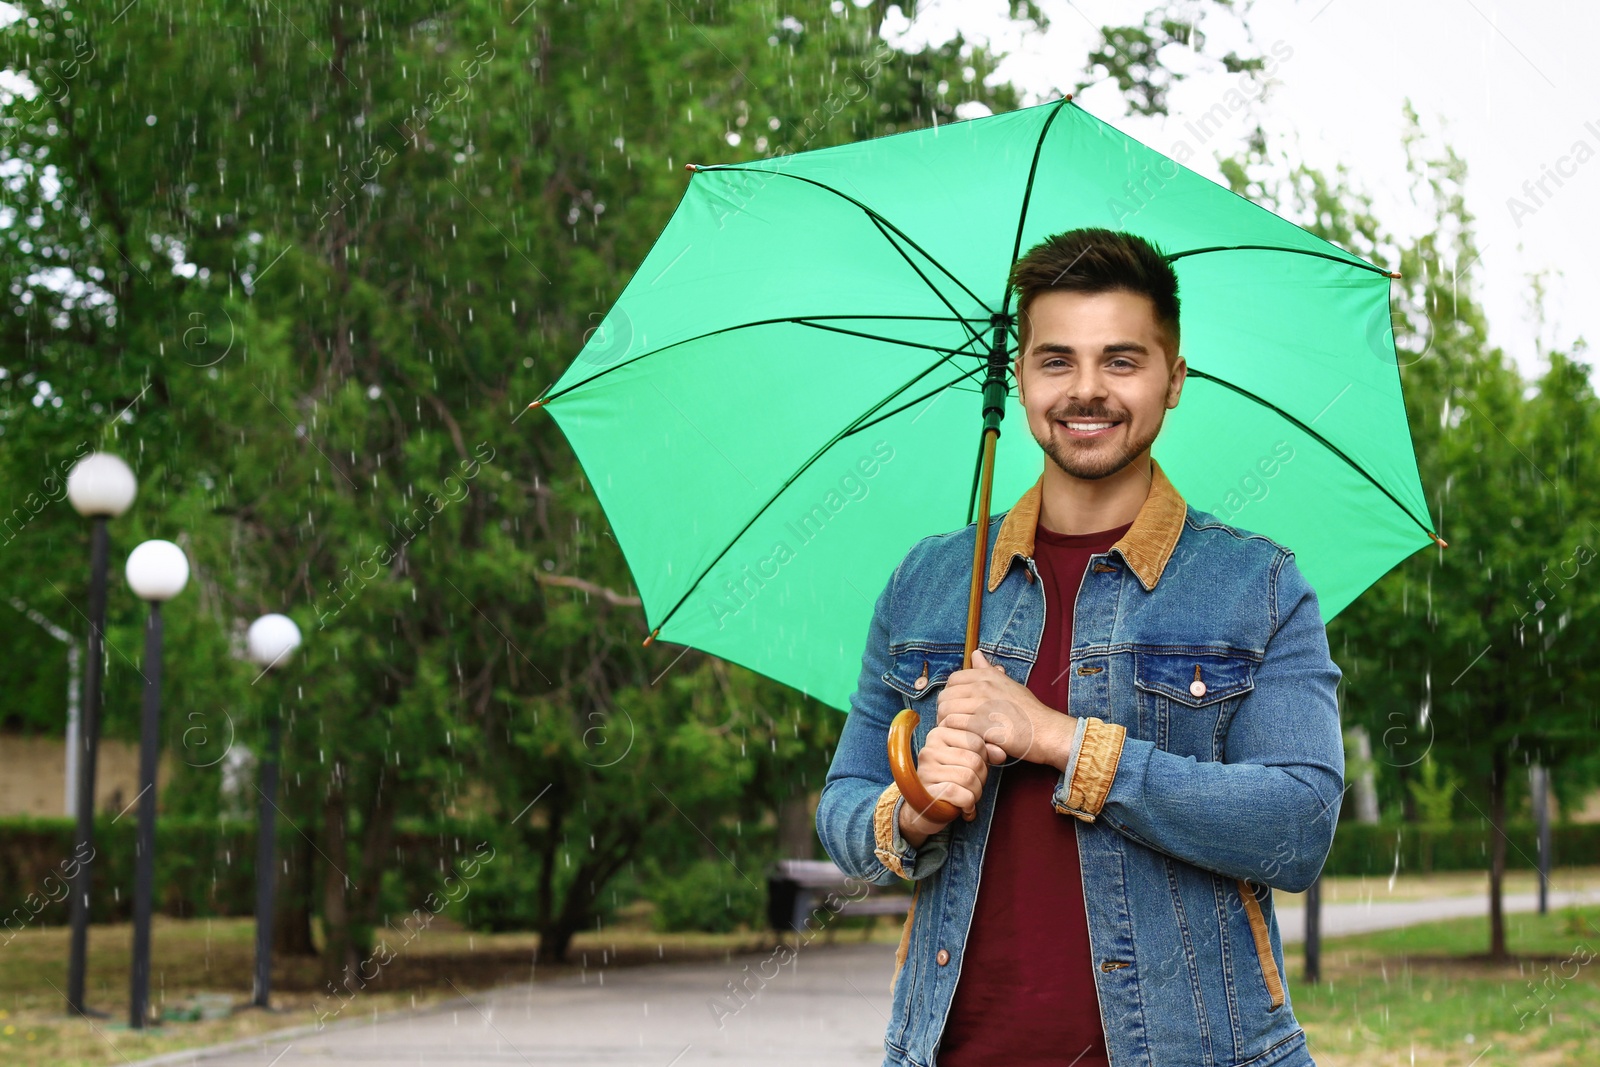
[
  {"x": 652, "y": 636},
  {"x": 536, "y": 403},
  {"x": 691, "y": 167},
  {"x": 1394, "y": 274},
  {"x": 1441, "y": 541}
]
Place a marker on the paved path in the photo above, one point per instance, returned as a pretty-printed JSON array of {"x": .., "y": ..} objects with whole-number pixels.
[
  {"x": 828, "y": 1006},
  {"x": 1366, "y": 916}
]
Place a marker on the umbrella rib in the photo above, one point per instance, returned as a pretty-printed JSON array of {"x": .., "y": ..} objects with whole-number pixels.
[
  {"x": 882, "y": 228},
  {"x": 973, "y": 373},
  {"x": 1363, "y": 264},
  {"x": 878, "y": 219},
  {"x": 1027, "y": 193},
  {"x": 807, "y": 465},
  {"x": 798, "y": 319},
  {"x": 887, "y": 340},
  {"x": 964, "y": 375},
  {"x": 1329, "y": 445}
]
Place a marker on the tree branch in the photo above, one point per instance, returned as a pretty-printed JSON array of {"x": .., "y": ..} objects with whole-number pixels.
[{"x": 609, "y": 595}]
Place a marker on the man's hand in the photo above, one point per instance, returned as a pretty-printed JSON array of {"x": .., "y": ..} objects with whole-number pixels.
[
  {"x": 953, "y": 769},
  {"x": 1005, "y": 715}
]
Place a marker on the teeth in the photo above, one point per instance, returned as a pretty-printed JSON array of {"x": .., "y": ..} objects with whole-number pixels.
[{"x": 1090, "y": 425}]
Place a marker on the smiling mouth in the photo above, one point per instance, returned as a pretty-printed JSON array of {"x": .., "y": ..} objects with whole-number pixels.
[{"x": 1088, "y": 428}]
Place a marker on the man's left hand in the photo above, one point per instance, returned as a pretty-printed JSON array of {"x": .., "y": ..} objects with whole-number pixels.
[{"x": 1005, "y": 713}]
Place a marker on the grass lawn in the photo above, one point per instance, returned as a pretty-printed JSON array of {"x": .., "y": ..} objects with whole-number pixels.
[
  {"x": 1421, "y": 995},
  {"x": 1427, "y": 995}
]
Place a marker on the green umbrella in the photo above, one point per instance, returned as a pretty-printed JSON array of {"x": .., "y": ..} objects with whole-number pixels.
[{"x": 790, "y": 391}]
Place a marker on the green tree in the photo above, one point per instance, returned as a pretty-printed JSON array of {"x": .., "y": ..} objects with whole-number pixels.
[
  {"x": 1462, "y": 656},
  {"x": 303, "y": 265}
]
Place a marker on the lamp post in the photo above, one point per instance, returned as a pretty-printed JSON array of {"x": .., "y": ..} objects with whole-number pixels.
[
  {"x": 100, "y": 486},
  {"x": 271, "y": 639},
  {"x": 157, "y": 571}
]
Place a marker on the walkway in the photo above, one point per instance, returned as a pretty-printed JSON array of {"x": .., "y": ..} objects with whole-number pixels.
[{"x": 827, "y": 1005}]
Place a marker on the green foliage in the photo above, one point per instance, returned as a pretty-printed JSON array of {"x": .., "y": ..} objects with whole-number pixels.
[
  {"x": 707, "y": 895},
  {"x": 1433, "y": 793},
  {"x": 322, "y": 260},
  {"x": 1469, "y": 656},
  {"x": 1131, "y": 56},
  {"x": 1460, "y": 846}
]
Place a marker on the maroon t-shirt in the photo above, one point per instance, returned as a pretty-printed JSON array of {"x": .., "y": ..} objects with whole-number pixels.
[{"x": 1026, "y": 994}]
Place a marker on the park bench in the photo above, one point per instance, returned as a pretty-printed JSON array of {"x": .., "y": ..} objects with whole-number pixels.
[{"x": 797, "y": 888}]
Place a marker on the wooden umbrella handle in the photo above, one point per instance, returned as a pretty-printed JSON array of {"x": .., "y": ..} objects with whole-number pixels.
[
  {"x": 904, "y": 768},
  {"x": 901, "y": 761}
]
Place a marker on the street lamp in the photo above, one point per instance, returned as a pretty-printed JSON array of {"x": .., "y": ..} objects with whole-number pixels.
[
  {"x": 100, "y": 487},
  {"x": 271, "y": 639},
  {"x": 157, "y": 571}
]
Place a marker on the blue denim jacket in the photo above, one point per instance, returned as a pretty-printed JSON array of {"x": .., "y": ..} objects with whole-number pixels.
[{"x": 1190, "y": 797}]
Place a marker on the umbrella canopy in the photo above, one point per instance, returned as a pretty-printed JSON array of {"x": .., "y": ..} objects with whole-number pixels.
[{"x": 787, "y": 395}]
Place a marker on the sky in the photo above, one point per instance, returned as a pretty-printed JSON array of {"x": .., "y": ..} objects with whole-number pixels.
[{"x": 1512, "y": 87}]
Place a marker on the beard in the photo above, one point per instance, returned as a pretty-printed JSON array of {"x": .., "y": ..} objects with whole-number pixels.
[{"x": 1098, "y": 459}]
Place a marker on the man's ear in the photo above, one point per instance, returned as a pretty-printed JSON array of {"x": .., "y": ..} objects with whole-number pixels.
[{"x": 1180, "y": 373}]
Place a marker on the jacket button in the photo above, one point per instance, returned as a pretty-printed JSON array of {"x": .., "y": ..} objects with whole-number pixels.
[{"x": 944, "y": 956}]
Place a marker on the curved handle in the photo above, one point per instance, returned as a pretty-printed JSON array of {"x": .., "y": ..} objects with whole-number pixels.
[
  {"x": 903, "y": 765},
  {"x": 901, "y": 759}
]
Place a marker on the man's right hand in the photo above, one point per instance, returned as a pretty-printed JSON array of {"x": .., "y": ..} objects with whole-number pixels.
[{"x": 953, "y": 766}]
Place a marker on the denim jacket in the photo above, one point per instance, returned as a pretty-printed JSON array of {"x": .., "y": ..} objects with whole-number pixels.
[{"x": 1207, "y": 764}]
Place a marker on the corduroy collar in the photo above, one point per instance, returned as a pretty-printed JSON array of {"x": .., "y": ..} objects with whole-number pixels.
[{"x": 1146, "y": 546}]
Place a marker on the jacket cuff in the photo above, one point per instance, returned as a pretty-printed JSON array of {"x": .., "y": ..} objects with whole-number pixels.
[
  {"x": 891, "y": 847},
  {"x": 1091, "y": 766}
]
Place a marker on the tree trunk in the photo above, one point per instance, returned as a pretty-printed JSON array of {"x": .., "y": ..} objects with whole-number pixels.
[
  {"x": 338, "y": 955},
  {"x": 1497, "y": 858},
  {"x": 378, "y": 838},
  {"x": 555, "y": 938},
  {"x": 797, "y": 827},
  {"x": 1408, "y": 803},
  {"x": 1366, "y": 788},
  {"x": 578, "y": 909},
  {"x": 291, "y": 926}
]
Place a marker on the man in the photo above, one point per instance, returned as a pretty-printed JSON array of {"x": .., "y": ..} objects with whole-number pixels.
[{"x": 1147, "y": 738}]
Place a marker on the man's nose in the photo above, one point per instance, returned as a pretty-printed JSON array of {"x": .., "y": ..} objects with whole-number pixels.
[{"x": 1088, "y": 384}]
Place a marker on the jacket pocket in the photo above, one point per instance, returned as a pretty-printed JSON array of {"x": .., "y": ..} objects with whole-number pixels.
[
  {"x": 1263, "y": 941},
  {"x": 1187, "y": 699},
  {"x": 916, "y": 670},
  {"x": 1174, "y": 674}
]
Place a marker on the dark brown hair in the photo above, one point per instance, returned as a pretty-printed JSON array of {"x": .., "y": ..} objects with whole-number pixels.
[{"x": 1095, "y": 260}]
